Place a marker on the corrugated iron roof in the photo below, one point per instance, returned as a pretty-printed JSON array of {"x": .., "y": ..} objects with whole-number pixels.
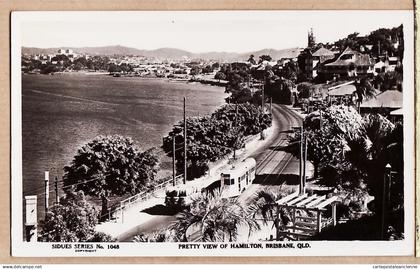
[
  {"x": 343, "y": 90},
  {"x": 361, "y": 59},
  {"x": 398, "y": 112},
  {"x": 323, "y": 52},
  {"x": 387, "y": 99}
]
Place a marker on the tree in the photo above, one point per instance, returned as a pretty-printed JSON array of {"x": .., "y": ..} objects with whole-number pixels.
[
  {"x": 264, "y": 206},
  {"x": 220, "y": 76},
  {"x": 213, "y": 218},
  {"x": 111, "y": 165},
  {"x": 364, "y": 90},
  {"x": 72, "y": 220},
  {"x": 265, "y": 57},
  {"x": 251, "y": 59},
  {"x": 304, "y": 90},
  {"x": 212, "y": 137},
  {"x": 328, "y": 135},
  {"x": 195, "y": 70},
  {"x": 281, "y": 90},
  {"x": 207, "y": 69}
]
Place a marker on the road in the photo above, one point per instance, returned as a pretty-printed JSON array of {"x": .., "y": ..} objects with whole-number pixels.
[{"x": 271, "y": 160}]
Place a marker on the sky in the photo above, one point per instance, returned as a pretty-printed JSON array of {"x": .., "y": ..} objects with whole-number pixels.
[{"x": 230, "y": 31}]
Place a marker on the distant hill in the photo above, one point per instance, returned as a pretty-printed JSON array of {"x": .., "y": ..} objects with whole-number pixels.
[{"x": 168, "y": 53}]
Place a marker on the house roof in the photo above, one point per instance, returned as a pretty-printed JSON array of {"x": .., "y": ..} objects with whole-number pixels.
[
  {"x": 323, "y": 52},
  {"x": 343, "y": 90},
  {"x": 387, "y": 99},
  {"x": 398, "y": 112},
  {"x": 360, "y": 59}
]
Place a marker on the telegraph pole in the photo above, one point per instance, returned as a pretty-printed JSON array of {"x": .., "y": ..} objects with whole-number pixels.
[
  {"x": 236, "y": 129},
  {"x": 173, "y": 159},
  {"x": 47, "y": 190},
  {"x": 305, "y": 155},
  {"x": 385, "y": 198},
  {"x": 271, "y": 105},
  {"x": 301, "y": 162},
  {"x": 185, "y": 145},
  {"x": 57, "y": 198},
  {"x": 262, "y": 98}
]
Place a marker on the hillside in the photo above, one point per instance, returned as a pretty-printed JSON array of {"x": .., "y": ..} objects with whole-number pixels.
[{"x": 168, "y": 53}]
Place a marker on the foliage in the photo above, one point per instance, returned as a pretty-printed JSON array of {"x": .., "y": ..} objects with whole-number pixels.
[
  {"x": 381, "y": 37},
  {"x": 72, "y": 220},
  {"x": 212, "y": 137},
  {"x": 264, "y": 206},
  {"x": 389, "y": 80},
  {"x": 265, "y": 58},
  {"x": 220, "y": 76},
  {"x": 111, "y": 165},
  {"x": 214, "y": 218},
  {"x": 156, "y": 237},
  {"x": 251, "y": 59},
  {"x": 281, "y": 90},
  {"x": 364, "y": 89},
  {"x": 304, "y": 90},
  {"x": 328, "y": 135}
]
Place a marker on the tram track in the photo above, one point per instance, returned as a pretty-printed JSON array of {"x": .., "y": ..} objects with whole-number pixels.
[{"x": 272, "y": 161}]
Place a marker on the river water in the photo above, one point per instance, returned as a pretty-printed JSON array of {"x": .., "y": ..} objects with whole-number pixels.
[{"x": 60, "y": 113}]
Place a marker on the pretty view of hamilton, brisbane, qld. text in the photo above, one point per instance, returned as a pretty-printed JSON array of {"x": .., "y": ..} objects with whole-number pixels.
[{"x": 273, "y": 129}]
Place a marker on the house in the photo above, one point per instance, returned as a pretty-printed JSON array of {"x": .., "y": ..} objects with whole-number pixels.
[
  {"x": 392, "y": 63},
  {"x": 396, "y": 115},
  {"x": 383, "y": 103},
  {"x": 380, "y": 67},
  {"x": 308, "y": 61},
  {"x": 349, "y": 63},
  {"x": 344, "y": 93}
]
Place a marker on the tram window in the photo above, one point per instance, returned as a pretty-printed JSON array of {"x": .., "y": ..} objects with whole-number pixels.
[
  {"x": 227, "y": 181},
  {"x": 232, "y": 181}
]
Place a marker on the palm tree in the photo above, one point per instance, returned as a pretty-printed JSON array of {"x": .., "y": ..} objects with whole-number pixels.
[
  {"x": 364, "y": 90},
  {"x": 264, "y": 207},
  {"x": 213, "y": 218}
]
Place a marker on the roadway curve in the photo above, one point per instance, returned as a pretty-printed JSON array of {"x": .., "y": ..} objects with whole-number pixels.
[{"x": 271, "y": 159}]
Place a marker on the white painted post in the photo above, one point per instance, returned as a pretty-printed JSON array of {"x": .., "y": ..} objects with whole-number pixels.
[
  {"x": 318, "y": 221},
  {"x": 31, "y": 218},
  {"x": 334, "y": 213},
  {"x": 47, "y": 190}
]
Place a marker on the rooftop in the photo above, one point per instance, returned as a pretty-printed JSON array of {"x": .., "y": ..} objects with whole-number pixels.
[
  {"x": 387, "y": 99},
  {"x": 360, "y": 59},
  {"x": 323, "y": 52},
  {"x": 343, "y": 90}
]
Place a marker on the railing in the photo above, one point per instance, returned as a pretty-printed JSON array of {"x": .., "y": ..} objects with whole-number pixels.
[
  {"x": 143, "y": 196},
  {"x": 140, "y": 197}
]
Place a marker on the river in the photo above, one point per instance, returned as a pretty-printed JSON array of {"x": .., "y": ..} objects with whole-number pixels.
[{"x": 60, "y": 113}]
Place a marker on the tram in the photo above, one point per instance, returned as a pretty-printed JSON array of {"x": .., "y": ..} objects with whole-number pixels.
[{"x": 237, "y": 179}]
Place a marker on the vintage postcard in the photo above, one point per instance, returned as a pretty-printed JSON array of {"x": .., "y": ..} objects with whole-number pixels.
[{"x": 213, "y": 133}]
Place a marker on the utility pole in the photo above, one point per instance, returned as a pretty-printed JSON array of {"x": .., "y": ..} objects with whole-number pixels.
[
  {"x": 305, "y": 155},
  {"x": 385, "y": 198},
  {"x": 236, "y": 129},
  {"x": 320, "y": 120},
  {"x": 301, "y": 162},
  {"x": 262, "y": 98},
  {"x": 173, "y": 159},
  {"x": 57, "y": 198},
  {"x": 185, "y": 145},
  {"x": 47, "y": 190}
]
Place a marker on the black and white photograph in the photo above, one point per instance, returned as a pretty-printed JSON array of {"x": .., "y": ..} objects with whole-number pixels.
[{"x": 212, "y": 133}]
